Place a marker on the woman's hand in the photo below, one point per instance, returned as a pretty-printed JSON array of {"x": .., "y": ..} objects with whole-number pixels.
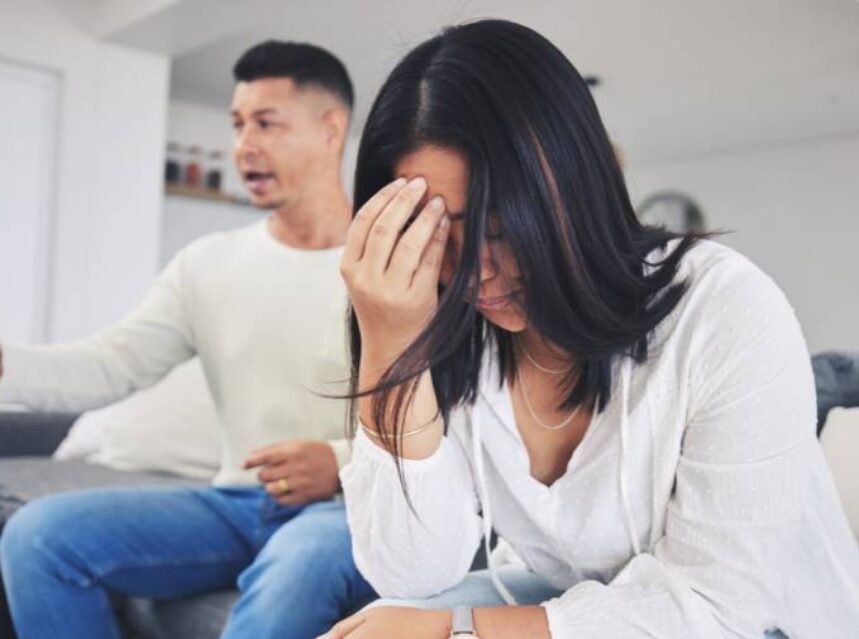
[
  {"x": 393, "y": 622},
  {"x": 392, "y": 275}
]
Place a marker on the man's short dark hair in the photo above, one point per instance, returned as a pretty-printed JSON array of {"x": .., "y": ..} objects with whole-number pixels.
[{"x": 306, "y": 64}]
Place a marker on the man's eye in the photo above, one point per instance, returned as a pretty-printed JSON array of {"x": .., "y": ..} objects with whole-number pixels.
[
  {"x": 237, "y": 126},
  {"x": 265, "y": 124}
]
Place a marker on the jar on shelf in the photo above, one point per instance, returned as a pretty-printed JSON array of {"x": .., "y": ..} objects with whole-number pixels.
[
  {"x": 214, "y": 172},
  {"x": 194, "y": 167},
  {"x": 173, "y": 164}
]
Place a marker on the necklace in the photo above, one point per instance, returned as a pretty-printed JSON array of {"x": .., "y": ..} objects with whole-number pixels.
[
  {"x": 538, "y": 366},
  {"x": 539, "y": 421}
]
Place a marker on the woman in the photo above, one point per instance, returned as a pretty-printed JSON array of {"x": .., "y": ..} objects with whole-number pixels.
[{"x": 632, "y": 411}]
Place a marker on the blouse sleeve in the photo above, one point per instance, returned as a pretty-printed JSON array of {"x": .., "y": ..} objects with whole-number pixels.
[{"x": 405, "y": 552}]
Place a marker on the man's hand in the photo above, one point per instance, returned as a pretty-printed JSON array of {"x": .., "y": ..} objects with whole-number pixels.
[
  {"x": 392, "y": 622},
  {"x": 297, "y": 471}
]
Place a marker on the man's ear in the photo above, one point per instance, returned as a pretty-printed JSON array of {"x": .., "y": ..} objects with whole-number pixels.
[{"x": 335, "y": 126}]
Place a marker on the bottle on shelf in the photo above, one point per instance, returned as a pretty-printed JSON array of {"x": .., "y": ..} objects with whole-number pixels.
[
  {"x": 194, "y": 168},
  {"x": 173, "y": 164},
  {"x": 214, "y": 172}
]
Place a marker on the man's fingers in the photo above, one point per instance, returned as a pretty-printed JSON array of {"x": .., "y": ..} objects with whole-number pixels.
[
  {"x": 413, "y": 244},
  {"x": 385, "y": 231},
  {"x": 273, "y": 472},
  {"x": 283, "y": 486},
  {"x": 273, "y": 455},
  {"x": 256, "y": 459},
  {"x": 356, "y": 238},
  {"x": 427, "y": 274}
]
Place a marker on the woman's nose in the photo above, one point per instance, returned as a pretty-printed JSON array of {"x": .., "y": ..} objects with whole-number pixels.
[{"x": 488, "y": 265}]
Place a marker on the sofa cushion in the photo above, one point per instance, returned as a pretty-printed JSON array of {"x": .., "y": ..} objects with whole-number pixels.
[
  {"x": 170, "y": 427},
  {"x": 32, "y": 434},
  {"x": 198, "y": 617},
  {"x": 23, "y": 479}
]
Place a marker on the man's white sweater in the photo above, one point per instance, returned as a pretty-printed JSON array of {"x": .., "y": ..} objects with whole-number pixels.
[{"x": 268, "y": 322}]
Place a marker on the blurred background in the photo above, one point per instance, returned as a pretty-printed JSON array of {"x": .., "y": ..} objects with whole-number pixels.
[{"x": 730, "y": 115}]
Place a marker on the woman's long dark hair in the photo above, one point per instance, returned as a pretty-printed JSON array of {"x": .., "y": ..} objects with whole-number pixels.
[{"x": 542, "y": 168}]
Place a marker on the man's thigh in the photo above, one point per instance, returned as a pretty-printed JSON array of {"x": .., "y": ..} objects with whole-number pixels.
[
  {"x": 145, "y": 542},
  {"x": 309, "y": 549},
  {"x": 304, "y": 579}
]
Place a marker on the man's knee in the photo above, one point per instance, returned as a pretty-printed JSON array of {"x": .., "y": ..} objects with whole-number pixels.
[{"x": 30, "y": 533}]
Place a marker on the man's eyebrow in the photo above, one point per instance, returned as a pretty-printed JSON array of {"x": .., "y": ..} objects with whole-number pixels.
[{"x": 257, "y": 113}]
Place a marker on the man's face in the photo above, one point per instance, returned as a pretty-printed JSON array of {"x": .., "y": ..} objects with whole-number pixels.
[{"x": 279, "y": 139}]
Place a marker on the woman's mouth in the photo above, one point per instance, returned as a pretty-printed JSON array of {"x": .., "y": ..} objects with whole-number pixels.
[{"x": 495, "y": 303}]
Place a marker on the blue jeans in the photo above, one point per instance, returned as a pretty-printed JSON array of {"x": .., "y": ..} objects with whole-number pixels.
[
  {"x": 63, "y": 556},
  {"x": 477, "y": 591}
]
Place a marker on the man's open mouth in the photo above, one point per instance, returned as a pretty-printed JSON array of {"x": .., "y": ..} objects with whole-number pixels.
[{"x": 256, "y": 181}]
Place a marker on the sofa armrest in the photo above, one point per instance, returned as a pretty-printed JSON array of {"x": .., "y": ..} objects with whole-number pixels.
[{"x": 33, "y": 433}]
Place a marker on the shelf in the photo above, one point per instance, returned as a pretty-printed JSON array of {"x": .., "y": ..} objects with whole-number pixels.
[{"x": 198, "y": 193}]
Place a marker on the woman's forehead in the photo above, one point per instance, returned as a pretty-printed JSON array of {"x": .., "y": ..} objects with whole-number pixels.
[{"x": 445, "y": 171}]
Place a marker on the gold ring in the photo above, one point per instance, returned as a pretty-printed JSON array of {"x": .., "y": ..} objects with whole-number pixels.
[{"x": 283, "y": 485}]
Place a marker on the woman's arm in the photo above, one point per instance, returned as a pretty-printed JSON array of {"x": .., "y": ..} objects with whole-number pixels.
[
  {"x": 392, "y": 278},
  {"x": 391, "y": 622}
]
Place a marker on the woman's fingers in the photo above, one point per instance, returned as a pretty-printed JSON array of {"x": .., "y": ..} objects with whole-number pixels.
[
  {"x": 386, "y": 229},
  {"x": 428, "y": 271},
  {"x": 356, "y": 238},
  {"x": 411, "y": 247},
  {"x": 342, "y": 629}
]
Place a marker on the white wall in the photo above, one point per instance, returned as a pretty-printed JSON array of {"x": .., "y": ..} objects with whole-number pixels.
[
  {"x": 108, "y": 189},
  {"x": 28, "y": 116},
  {"x": 794, "y": 210}
]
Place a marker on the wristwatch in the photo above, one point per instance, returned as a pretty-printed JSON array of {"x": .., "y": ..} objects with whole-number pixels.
[{"x": 463, "y": 623}]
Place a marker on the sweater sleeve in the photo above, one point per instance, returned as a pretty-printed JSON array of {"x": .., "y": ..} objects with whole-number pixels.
[
  {"x": 407, "y": 553},
  {"x": 99, "y": 370},
  {"x": 742, "y": 482}
]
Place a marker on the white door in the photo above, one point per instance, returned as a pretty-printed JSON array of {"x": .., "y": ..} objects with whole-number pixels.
[{"x": 28, "y": 149}]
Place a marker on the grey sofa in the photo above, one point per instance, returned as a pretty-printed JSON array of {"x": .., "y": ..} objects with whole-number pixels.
[{"x": 27, "y": 472}]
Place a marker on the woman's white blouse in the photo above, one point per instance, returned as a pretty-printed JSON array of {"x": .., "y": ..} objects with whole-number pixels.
[{"x": 730, "y": 499}]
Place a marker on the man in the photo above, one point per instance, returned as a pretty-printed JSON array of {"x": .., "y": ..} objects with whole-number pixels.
[{"x": 264, "y": 308}]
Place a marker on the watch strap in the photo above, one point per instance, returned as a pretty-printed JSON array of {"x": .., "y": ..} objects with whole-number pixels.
[{"x": 463, "y": 621}]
